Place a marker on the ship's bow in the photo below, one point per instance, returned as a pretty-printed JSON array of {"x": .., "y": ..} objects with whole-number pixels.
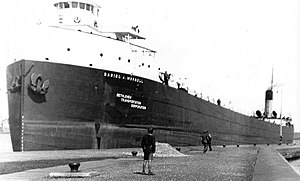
[{"x": 14, "y": 82}]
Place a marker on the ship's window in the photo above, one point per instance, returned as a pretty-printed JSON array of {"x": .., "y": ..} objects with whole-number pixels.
[
  {"x": 74, "y": 4},
  {"x": 61, "y": 5},
  {"x": 97, "y": 12},
  {"x": 67, "y": 5},
  {"x": 81, "y": 5},
  {"x": 88, "y": 7},
  {"x": 92, "y": 9},
  {"x": 61, "y": 18}
]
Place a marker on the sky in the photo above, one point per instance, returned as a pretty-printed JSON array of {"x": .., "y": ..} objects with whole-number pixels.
[{"x": 225, "y": 49}]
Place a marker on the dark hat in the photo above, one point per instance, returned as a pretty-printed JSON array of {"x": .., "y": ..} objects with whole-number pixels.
[{"x": 150, "y": 129}]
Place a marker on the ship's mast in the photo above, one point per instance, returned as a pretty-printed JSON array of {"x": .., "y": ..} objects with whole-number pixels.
[{"x": 272, "y": 78}]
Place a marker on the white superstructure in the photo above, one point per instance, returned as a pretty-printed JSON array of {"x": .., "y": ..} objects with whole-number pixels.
[{"x": 74, "y": 37}]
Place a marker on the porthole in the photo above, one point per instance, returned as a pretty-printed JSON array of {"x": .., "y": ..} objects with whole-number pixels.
[
  {"x": 119, "y": 58},
  {"x": 68, "y": 49},
  {"x": 77, "y": 19},
  {"x": 128, "y": 60},
  {"x": 101, "y": 54}
]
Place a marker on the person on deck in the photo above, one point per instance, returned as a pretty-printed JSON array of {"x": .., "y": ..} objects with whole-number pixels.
[{"x": 165, "y": 77}]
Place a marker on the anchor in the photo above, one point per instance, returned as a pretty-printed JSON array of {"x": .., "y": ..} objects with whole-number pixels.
[
  {"x": 16, "y": 85},
  {"x": 17, "y": 82},
  {"x": 37, "y": 85}
]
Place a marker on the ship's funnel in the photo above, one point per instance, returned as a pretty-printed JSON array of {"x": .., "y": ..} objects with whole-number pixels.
[
  {"x": 268, "y": 103},
  {"x": 269, "y": 99}
]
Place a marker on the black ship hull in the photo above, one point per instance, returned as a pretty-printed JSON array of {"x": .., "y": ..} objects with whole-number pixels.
[{"x": 86, "y": 108}]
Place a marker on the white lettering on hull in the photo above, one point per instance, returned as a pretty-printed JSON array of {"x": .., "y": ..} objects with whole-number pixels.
[
  {"x": 123, "y": 77},
  {"x": 133, "y": 103}
]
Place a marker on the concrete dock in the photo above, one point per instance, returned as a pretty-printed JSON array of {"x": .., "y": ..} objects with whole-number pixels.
[{"x": 260, "y": 162}]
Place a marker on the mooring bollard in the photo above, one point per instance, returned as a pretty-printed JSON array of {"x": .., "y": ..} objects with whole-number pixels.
[
  {"x": 134, "y": 153},
  {"x": 74, "y": 166}
]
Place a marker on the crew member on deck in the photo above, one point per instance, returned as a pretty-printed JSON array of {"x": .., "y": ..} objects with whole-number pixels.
[
  {"x": 219, "y": 102},
  {"x": 165, "y": 77}
]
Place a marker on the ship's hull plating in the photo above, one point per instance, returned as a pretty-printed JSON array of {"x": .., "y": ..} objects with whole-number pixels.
[{"x": 88, "y": 108}]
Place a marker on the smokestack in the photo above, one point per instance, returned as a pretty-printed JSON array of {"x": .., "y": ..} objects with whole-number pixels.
[
  {"x": 268, "y": 103},
  {"x": 269, "y": 99}
]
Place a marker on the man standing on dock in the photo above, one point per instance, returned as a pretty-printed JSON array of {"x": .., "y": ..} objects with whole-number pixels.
[
  {"x": 148, "y": 146},
  {"x": 206, "y": 141}
]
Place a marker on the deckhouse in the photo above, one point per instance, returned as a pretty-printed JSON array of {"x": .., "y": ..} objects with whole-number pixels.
[
  {"x": 73, "y": 34},
  {"x": 74, "y": 13}
]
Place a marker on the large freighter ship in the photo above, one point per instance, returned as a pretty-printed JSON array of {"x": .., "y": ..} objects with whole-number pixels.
[{"x": 77, "y": 86}]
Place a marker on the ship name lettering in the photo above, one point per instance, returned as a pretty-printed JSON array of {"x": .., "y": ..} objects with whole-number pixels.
[{"x": 123, "y": 77}]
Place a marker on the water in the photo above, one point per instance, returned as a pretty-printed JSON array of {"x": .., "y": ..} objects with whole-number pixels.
[
  {"x": 5, "y": 143},
  {"x": 296, "y": 164}
]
